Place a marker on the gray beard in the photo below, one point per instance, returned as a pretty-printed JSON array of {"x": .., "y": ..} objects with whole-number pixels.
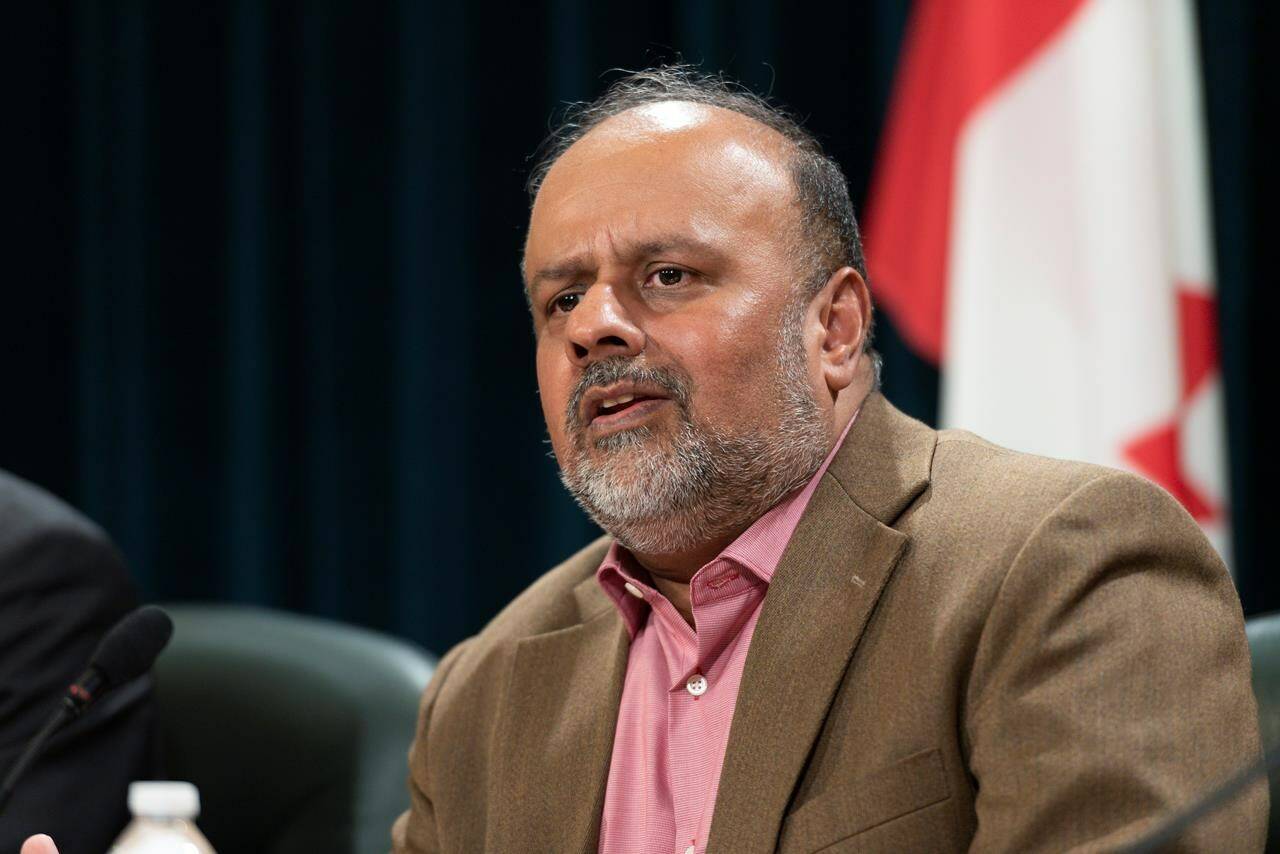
[{"x": 662, "y": 496}]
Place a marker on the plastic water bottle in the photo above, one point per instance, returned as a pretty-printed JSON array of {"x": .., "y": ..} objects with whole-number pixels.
[{"x": 163, "y": 821}]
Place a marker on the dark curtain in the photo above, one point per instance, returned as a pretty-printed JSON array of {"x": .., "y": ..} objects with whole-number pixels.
[{"x": 263, "y": 319}]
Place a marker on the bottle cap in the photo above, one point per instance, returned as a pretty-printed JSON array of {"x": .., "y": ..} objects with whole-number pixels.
[{"x": 164, "y": 799}]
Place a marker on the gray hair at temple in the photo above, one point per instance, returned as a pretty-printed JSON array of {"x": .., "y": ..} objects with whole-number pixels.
[{"x": 828, "y": 231}]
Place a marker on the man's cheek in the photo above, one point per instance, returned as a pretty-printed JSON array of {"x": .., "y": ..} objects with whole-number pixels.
[
  {"x": 550, "y": 392},
  {"x": 554, "y": 416},
  {"x": 554, "y": 412},
  {"x": 730, "y": 369}
]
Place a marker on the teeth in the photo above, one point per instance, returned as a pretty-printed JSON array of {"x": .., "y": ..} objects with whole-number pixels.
[{"x": 617, "y": 401}]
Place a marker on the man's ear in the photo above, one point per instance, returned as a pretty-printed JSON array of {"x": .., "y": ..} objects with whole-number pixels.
[{"x": 845, "y": 316}]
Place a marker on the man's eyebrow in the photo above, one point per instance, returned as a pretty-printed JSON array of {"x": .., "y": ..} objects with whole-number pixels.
[
  {"x": 580, "y": 265},
  {"x": 567, "y": 269},
  {"x": 672, "y": 243}
]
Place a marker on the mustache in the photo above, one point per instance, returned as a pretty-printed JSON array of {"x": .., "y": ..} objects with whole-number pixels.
[{"x": 619, "y": 369}]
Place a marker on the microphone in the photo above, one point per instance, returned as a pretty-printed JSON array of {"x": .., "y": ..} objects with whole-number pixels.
[{"x": 126, "y": 652}]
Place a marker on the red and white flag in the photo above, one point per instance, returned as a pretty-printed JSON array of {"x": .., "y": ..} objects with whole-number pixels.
[{"x": 1039, "y": 228}]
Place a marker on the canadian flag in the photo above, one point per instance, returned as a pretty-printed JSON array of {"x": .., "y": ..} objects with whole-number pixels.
[{"x": 1039, "y": 228}]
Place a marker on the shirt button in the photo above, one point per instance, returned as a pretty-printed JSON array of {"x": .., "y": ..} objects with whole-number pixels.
[
  {"x": 691, "y": 850},
  {"x": 633, "y": 590},
  {"x": 697, "y": 685}
]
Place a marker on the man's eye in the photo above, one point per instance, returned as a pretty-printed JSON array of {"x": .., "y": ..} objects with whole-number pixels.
[
  {"x": 565, "y": 302},
  {"x": 669, "y": 276}
]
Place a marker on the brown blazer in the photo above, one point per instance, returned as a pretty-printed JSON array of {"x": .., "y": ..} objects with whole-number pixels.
[{"x": 963, "y": 647}]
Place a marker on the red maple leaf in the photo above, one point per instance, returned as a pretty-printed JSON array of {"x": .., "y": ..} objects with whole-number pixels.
[{"x": 1157, "y": 453}]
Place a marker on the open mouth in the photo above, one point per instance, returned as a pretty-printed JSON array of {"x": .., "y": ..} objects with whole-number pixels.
[
  {"x": 619, "y": 406},
  {"x": 612, "y": 406}
]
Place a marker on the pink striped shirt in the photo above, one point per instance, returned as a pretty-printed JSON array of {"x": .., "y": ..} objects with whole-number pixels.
[{"x": 681, "y": 685}]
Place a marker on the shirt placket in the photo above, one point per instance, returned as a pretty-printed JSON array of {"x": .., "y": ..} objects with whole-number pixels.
[
  {"x": 685, "y": 731},
  {"x": 695, "y": 745}
]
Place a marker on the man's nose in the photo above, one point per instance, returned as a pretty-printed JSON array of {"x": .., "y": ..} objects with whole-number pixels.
[{"x": 599, "y": 327}]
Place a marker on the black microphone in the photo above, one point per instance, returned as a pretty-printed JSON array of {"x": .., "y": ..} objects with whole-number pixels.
[{"x": 126, "y": 652}]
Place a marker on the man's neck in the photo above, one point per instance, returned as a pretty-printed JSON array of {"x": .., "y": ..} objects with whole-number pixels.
[{"x": 672, "y": 572}]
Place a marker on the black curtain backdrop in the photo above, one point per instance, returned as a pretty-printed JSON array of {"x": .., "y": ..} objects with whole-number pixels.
[{"x": 263, "y": 318}]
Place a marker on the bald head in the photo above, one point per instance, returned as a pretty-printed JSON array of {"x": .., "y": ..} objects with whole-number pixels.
[
  {"x": 669, "y": 95},
  {"x": 669, "y": 168},
  {"x": 736, "y": 149}
]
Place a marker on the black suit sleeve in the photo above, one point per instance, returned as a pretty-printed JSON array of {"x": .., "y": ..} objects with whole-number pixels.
[{"x": 62, "y": 586}]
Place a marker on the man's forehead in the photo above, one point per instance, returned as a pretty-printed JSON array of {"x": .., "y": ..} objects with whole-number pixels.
[
  {"x": 663, "y": 165},
  {"x": 569, "y": 259}
]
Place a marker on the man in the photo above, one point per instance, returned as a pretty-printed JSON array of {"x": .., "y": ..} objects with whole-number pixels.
[
  {"x": 62, "y": 586},
  {"x": 816, "y": 623}
]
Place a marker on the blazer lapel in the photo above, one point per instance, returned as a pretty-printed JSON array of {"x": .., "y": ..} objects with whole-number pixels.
[
  {"x": 819, "y": 601},
  {"x": 555, "y": 739}
]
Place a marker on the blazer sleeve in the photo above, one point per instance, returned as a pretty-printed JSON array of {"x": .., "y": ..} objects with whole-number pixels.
[
  {"x": 415, "y": 831},
  {"x": 1111, "y": 683},
  {"x": 62, "y": 586}
]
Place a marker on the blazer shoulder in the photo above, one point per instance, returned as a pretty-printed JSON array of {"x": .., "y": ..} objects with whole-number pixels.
[
  {"x": 25, "y": 507},
  {"x": 39, "y": 529},
  {"x": 551, "y": 602},
  {"x": 477, "y": 667},
  {"x": 995, "y": 480},
  {"x": 991, "y": 501}
]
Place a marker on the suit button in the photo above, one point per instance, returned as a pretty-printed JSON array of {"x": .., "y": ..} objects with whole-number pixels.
[{"x": 697, "y": 685}]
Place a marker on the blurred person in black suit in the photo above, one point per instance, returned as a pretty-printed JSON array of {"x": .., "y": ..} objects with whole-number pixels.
[{"x": 63, "y": 584}]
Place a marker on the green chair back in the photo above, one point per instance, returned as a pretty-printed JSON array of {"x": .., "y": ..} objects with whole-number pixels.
[
  {"x": 294, "y": 729},
  {"x": 1264, "y": 648}
]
